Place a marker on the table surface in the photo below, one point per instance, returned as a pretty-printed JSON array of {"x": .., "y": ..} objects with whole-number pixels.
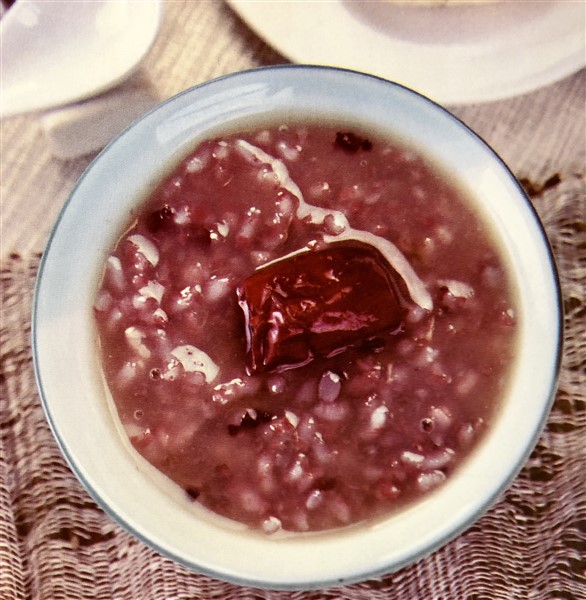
[{"x": 530, "y": 545}]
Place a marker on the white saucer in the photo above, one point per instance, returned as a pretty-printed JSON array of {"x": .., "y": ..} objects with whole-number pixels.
[
  {"x": 55, "y": 53},
  {"x": 454, "y": 55}
]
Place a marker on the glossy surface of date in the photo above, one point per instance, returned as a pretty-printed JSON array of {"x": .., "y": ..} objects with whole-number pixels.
[{"x": 317, "y": 303}]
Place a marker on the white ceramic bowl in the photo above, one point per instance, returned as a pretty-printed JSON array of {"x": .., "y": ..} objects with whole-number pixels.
[{"x": 68, "y": 373}]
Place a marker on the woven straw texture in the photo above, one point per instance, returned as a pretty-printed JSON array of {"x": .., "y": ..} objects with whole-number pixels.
[{"x": 57, "y": 544}]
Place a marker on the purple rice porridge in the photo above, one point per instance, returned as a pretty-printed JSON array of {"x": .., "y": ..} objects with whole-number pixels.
[{"x": 305, "y": 326}]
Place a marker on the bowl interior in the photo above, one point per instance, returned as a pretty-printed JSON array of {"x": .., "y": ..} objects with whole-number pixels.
[{"x": 65, "y": 347}]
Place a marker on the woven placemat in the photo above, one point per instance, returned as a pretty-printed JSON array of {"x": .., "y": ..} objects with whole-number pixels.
[{"x": 57, "y": 544}]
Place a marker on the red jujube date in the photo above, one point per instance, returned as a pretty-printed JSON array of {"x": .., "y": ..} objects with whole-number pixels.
[{"x": 317, "y": 303}]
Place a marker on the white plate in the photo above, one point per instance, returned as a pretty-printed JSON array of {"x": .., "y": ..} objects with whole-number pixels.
[
  {"x": 454, "y": 55},
  {"x": 54, "y": 53}
]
